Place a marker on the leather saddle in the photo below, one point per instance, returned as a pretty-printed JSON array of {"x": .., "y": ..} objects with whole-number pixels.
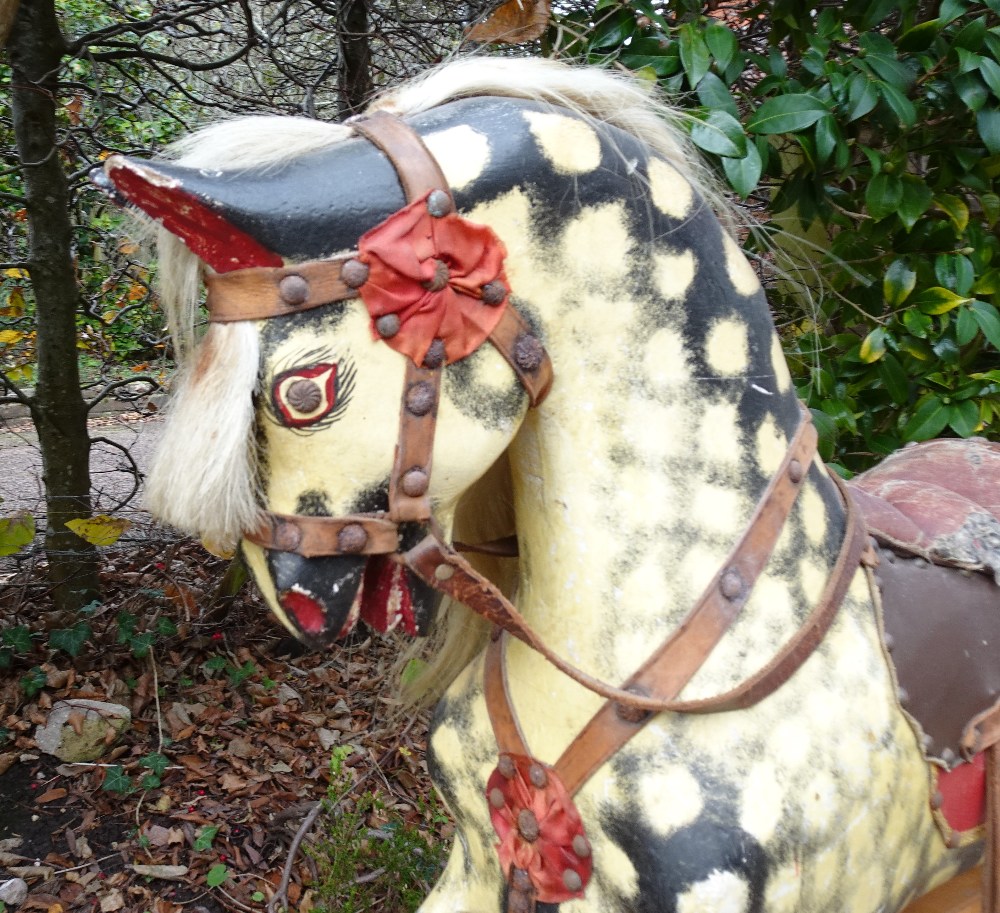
[{"x": 934, "y": 510}]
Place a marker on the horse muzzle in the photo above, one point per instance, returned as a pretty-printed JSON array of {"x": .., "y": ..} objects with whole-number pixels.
[{"x": 324, "y": 595}]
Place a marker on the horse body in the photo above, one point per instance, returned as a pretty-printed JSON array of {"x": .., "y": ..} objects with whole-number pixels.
[{"x": 630, "y": 483}]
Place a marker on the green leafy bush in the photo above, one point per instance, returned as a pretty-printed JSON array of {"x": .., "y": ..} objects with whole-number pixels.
[{"x": 870, "y": 133}]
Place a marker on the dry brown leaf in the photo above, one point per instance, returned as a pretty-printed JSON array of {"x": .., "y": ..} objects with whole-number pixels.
[
  {"x": 515, "y": 22},
  {"x": 51, "y": 795},
  {"x": 231, "y": 783},
  {"x": 7, "y": 760}
]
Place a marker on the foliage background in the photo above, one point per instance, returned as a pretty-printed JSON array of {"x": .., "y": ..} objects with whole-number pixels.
[{"x": 869, "y": 134}]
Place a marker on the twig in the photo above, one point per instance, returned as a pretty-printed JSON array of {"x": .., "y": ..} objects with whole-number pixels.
[
  {"x": 369, "y": 876},
  {"x": 86, "y": 865},
  {"x": 281, "y": 895}
]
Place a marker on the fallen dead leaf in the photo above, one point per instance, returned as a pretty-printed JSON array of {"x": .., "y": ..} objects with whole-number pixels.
[
  {"x": 51, "y": 795},
  {"x": 164, "y": 872},
  {"x": 7, "y": 760},
  {"x": 112, "y": 901}
]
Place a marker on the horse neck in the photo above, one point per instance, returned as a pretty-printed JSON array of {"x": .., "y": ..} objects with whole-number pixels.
[{"x": 640, "y": 473}]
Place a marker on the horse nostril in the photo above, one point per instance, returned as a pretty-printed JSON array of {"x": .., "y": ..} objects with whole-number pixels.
[{"x": 307, "y": 611}]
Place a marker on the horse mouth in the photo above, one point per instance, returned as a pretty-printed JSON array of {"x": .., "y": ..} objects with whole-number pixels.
[{"x": 324, "y": 597}]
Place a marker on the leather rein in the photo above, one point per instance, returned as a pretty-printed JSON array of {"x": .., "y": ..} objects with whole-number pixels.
[{"x": 263, "y": 292}]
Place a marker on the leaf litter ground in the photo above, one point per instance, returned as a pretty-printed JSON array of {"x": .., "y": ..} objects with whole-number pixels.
[{"x": 230, "y": 746}]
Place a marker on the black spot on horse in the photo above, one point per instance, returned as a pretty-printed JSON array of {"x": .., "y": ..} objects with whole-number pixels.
[
  {"x": 313, "y": 503},
  {"x": 668, "y": 867}
]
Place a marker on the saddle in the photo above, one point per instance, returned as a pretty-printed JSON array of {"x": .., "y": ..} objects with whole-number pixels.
[{"x": 934, "y": 510}]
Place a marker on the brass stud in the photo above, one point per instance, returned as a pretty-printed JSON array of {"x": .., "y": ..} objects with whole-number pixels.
[
  {"x": 795, "y": 471},
  {"x": 354, "y": 273},
  {"x": 294, "y": 290},
  {"x": 539, "y": 779},
  {"x": 439, "y": 203},
  {"x": 937, "y": 800},
  {"x": 581, "y": 846},
  {"x": 444, "y": 572},
  {"x": 420, "y": 398},
  {"x": 572, "y": 881},
  {"x": 352, "y": 539},
  {"x": 387, "y": 325},
  {"x": 415, "y": 482},
  {"x": 287, "y": 536},
  {"x": 954, "y": 840},
  {"x": 506, "y": 764},
  {"x": 527, "y": 825},
  {"x": 435, "y": 354},
  {"x": 902, "y": 695},
  {"x": 890, "y": 643},
  {"x": 494, "y": 293},
  {"x": 440, "y": 278},
  {"x": 528, "y": 352},
  {"x": 304, "y": 395},
  {"x": 926, "y": 741},
  {"x": 731, "y": 584},
  {"x": 497, "y": 799},
  {"x": 630, "y": 713},
  {"x": 948, "y": 756}
]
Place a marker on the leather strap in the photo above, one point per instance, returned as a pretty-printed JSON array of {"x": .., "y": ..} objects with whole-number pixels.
[
  {"x": 610, "y": 728},
  {"x": 443, "y": 568},
  {"x": 312, "y": 537},
  {"x": 417, "y": 169},
  {"x": 411, "y": 470},
  {"x": 257, "y": 293},
  {"x": 991, "y": 865},
  {"x": 516, "y": 341},
  {"x": 506, "y": 729}
]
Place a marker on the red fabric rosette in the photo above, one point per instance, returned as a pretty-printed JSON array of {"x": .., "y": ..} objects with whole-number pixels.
[
  {"x": 553, "y": 847},
  {"x": 404, "y": 256}
]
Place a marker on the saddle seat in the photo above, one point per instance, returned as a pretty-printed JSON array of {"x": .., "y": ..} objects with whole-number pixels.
[{"x": 934, "y": 510}]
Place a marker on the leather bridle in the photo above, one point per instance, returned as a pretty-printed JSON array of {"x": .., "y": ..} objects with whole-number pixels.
[{"x": 262, "y": 292}]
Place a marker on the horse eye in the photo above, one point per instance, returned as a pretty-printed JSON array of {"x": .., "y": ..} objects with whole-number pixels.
[{"x": 303, "y": 396}]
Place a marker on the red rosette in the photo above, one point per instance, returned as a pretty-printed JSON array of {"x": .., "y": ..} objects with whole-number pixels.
[
  {"x": 430, "y": 271},
  {"x": 539, "y": 827}
]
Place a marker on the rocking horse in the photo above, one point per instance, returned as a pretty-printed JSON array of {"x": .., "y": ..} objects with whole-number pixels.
[{"x": 498, "y": 308}]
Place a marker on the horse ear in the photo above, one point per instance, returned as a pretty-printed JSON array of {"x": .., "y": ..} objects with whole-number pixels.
[{"x": 193, "y": 219}]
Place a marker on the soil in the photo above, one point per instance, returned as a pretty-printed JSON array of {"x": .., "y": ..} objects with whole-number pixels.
[{"x": 232, "y": 732}]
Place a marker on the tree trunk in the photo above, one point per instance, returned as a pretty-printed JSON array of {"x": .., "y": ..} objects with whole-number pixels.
[
  {"x": 36, "y": 48},
  {"x": 356, "y": 84}
]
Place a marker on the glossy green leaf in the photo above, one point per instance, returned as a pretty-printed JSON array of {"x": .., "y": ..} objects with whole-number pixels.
[
  {"x": 894, "y": 378},
  {"x": 714, "y": 95},
  {"x": 18, "y": 638},
  {"x": 988, "y": 318},
  {"x": 966, "y": 326},
  {"x": 928, "y": 420},
  {"x": 650, "y": 52},
  {"x": 873, "y": 346},
  {"x": 828, "y": 136},
  {"x": 968, "y": 61},
  {"x": 963, "y": 418},
  {"x": 971, "y": 35},
  {"x": 988, "y": 126},
  {"x": 786, "y": 114},
  {"x": 917, "y": 199},
  {"x": 862, "y": 96},
  {"x": 883, "y": 195},
  {"x": 969, "y": 87},
  {"x": 990, "y": 204},
  {"x": 206, "y": 837},
  {"x": 951, "y": 10},
  {"x": 721, "y": 42},
  {"x": 990, "y": 71},
  {"x": 937, "y": 300},
  {"x": 898, "y": 282},
  {"x": 720, "y": 133},
  {"x": 695, "y": 57},
  {"x": 954, "y": 208},
  {"x": 116, "y": 780},
  {"x": 920, "y": 37},
  {"x": 744, "y": 173},
  {"x": 902, "y": 107}
]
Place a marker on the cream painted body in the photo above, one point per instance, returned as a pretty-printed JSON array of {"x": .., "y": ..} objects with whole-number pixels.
[{"x": 672, "y": 407}]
